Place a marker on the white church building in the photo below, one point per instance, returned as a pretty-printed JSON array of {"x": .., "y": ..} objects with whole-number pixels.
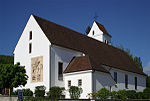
[{"x": 54, "y": 55}]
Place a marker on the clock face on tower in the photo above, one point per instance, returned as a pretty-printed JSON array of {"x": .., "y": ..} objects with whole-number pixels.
[{"x": 37, "y": 69}]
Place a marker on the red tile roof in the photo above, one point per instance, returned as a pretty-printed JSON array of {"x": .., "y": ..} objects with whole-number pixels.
[
  {"x": 99, "y": 53},
  {"x": 82, "y": 63}
]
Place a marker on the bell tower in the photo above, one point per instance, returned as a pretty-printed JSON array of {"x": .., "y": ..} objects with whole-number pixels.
[{"x": 99, "y": 33}]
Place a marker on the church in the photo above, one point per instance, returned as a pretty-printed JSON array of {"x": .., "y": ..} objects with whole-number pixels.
[{"x": 54, "y": 55}]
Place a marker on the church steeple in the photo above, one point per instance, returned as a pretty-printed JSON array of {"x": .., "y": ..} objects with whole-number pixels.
[{"x": 99, "y": 32}]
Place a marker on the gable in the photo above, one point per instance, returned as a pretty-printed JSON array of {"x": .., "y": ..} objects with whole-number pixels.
[
  {"x": 37, "y": 34},
  {"x": 98, "y": 52}
]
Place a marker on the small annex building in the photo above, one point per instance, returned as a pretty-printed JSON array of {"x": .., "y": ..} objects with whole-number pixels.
[{"x": 54, "y": 55}]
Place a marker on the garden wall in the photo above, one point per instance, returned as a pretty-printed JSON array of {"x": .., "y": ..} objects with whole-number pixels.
[{"x": 7, "y": 98}]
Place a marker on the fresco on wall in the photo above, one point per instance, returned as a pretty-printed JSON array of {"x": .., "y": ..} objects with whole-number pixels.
[{"x": 37, "y": 69}]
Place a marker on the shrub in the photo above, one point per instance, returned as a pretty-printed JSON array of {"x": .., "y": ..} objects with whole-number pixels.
[
  {"x": 55, "y": 92},
  {"x": 75, "y": 92},
  {"x": 36, "y": 99},
  {"x": 114, "y": 95},
  {"x": 27, "y": 92},
  {"x": 122, "y": 94},
  {"x": 15, "y": 92},
  {"x": 40, "y": 91},
  {"x": 131, "y": 94},
  {"x": 92, "y": 95},
  {"x": 146, "y": 92},
  {"x": 103, "y": 93},
  {"x": 139, "y": 95}
]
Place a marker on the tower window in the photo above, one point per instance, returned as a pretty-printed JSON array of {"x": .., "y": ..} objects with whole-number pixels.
[
  {"x": 135, "y": 79},
  {"x": 115, "y": 77},
  {"x": 93, "y": 32},
  {"x": 126, "y": 81},
  {"x": 69, "y": 83},
  {"x": 30, "y": 35},
  {"x": 30, "y": 47},
  {"x": 60, "y": 71},
  {"x": 80, "y": 82}
]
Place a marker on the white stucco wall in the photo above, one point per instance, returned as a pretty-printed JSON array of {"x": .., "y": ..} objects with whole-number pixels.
[
  {"x": 141, "y": 80},
  {"x": 64, "y": 55},
  {"x": 102, "y": 80},
  {"x": 40, "y": 47},
  {"x": 86, "y": 77},
  {"x": 98, "y": 34}
]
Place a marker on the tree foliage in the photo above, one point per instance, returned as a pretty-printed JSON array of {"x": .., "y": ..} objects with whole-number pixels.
[
  {"x": 136, "y": 60},
  {"x": 75, "y": 92},
  {"x": 103, "y": 93},
  {"x": 55, "y": 92},
  {"x": 12, "y": 75},
  {"x": 6, "y": 59},
  {"x": 148, "y": 82}
]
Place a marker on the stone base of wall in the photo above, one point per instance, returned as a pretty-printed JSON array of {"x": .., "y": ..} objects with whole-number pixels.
[{"x": 7, "y": 98}]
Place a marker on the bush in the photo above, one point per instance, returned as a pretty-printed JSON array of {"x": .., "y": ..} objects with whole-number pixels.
[
  {"x": 131, "y": 94},
  {"x": 92, "y": 95},
  {"x": 114, "y": 95},
  {"x": 75, "y": 92},
  {"x": 146, "y": 92},
  {"x": 36, "y": 99},
  {"x": 139, "y": 95},
  {"x": 15, "y": 93},
  {"x": 40, "y": 91},
  {"x": 27, "y": 92},
  {"x": 55, "y": 92},
  {"x": 122, "y": 94},
  {"x": 103, "y": 93}
]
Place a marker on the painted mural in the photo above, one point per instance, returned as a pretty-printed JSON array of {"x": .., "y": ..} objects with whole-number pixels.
[{"x": 37, "y": 69}]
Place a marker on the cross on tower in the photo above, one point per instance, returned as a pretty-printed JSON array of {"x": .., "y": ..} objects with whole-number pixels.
[{"x": 95, "y": 17}]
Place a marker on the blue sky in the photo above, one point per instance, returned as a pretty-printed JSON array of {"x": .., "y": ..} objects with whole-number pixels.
[{"x": 128, "y": 21}]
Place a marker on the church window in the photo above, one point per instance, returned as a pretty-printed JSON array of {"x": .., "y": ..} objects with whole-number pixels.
[
  {"x": 93, "y": 32},
  {"x": 30, "y": 47},
  {"x": 60, "y": 71},
  {"x": 126, "y": 81},
  {"x": 30, "y": 35},
  {"x": 115, "y": 77},
  {"x": 135, "y": 79},
  {"x": 80, "y": 82},
  {"x": 69, "y": 83}
]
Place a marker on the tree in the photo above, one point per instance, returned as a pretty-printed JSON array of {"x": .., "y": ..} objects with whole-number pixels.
[
  {"x": 12, "y": 75},
  {"x": 75, "y": 92},
  {"x": 103, "y": 93},
  {"x": 148, "y": 82},
  {"x": 6, "y": 59},
  {"x": 136, "y": 60},
  {"x": 55, "y": 92}
]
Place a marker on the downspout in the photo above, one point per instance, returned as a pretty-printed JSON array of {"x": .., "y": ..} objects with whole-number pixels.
[
  {"x": 93, "y": 81},
  {"x": 50, "y": 66}
]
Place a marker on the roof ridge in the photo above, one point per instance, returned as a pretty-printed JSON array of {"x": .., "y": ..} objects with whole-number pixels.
[{"x": 58, "y": 24}]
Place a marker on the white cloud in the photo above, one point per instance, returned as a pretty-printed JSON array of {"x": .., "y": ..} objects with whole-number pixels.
[{"x": 147, "y": 69}]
